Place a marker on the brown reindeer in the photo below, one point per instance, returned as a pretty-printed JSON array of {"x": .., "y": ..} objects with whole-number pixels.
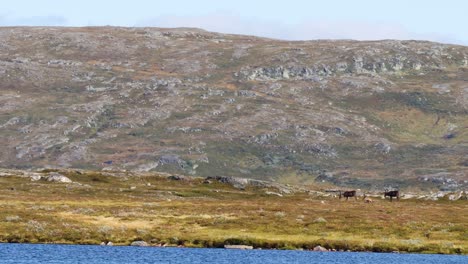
[
  {"x": 348, "y": 194},
  {"x": 392, "y": 194},
  {"x": 367, "y": 199}
]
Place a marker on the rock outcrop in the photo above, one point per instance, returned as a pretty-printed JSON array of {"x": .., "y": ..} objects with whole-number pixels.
[{"x": 191, "y": 102}]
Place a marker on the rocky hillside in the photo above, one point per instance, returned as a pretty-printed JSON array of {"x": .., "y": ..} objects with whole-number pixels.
[{"x": 368, "y": 114}]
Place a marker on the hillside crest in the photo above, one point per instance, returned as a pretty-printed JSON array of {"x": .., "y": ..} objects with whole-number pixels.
[{"x": 336, "y": 112}]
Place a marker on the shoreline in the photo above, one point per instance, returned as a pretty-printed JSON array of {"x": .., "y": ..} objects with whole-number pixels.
[
  {"x": 317, "y": 248},
  {"x": 94, "y": 207},
  {"x": 241, "y": 247}
]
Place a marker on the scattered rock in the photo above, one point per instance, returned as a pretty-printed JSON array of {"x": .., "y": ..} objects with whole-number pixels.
[
  {"x": 12, "y": 218},
  {"x": 246, "y": 93},
  {"x": 320, "y": 220},
  {"x": 458, "y": 196},
  {"x": 57, "y": 177},
  {"x": 274, "y": 193},
  {"x": 35, "y": 177},
  {"x": 449, "y": 136},
  {"x": 265, "y": 138},
  {"x": 207, "y": 182},
  {"x": 139, "y": 244},
  {"x": 408, "y": 196},
  {"x": 320, "y": 249},
  {"x": 442, "y": 88},
  {"x": 178, "y": 178},
  {"x": 444, "y": 181},
  {"x": 238, "y": 247},
  {"x": 383, "y": 147}
]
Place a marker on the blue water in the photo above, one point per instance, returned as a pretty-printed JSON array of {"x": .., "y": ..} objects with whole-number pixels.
[{"x": 34, "y": 253}]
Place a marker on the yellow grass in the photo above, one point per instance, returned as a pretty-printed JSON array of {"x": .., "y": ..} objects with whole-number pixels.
[{"x": 192, "y": 213}]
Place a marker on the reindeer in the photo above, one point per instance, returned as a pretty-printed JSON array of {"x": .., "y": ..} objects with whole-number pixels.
[
  {"x": 348, "y": 194},
  {"x": 367, "y": 199},
  {"x": 392, "y": 194}
]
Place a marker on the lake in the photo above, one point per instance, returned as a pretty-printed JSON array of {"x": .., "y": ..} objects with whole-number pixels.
[{"x": 39, "y": 253}]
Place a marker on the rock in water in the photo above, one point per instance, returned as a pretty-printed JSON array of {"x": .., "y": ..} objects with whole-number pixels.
[{"x": 238, "y": 247}]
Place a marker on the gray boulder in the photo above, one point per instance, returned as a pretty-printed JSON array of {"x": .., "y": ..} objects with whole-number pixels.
[
  {"x": 139, "y": 244},
  {"x": 35, "y": 177},
  {"x": 178, "y": 178},
  {"x": 383, "y": 147},
  {"x": 320, "y": 249},
  {"x": 238, "y": 183},
  {"x": 274, "y": 193},
  {"x": 57, "y": 177}
]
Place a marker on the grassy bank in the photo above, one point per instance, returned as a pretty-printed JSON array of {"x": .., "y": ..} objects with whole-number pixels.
[{"x": 98, "y": 208}]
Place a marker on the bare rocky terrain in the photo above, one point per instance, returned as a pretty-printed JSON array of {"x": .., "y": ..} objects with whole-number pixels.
[{"x": 368, "y": 114}]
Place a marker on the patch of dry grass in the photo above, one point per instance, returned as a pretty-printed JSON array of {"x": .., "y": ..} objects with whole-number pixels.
[{"x": 190, "y": 213}]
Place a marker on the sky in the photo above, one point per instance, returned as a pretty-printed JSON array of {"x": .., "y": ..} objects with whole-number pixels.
[{"x": 443, "y": 21}]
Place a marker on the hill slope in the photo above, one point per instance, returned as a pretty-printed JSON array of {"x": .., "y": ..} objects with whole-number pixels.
[{"x": 369, "y": 114}]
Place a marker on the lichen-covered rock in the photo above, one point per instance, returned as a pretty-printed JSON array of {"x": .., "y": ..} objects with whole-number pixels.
[
  {"x": 57, "y": 177},
  {"x": 36, "y": 177}
]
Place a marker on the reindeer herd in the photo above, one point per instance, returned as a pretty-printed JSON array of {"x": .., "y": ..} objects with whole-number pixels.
[{"x": 353, "y": 193}]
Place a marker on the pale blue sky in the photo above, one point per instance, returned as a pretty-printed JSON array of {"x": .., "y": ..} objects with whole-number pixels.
[{"x": 443, "y": 21}]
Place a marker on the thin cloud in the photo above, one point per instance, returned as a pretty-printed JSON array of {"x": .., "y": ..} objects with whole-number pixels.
[
  {"x": 348, "y": 30},
  {"x": 224, "y": 23},
  {"x": 305, "y": 30}
]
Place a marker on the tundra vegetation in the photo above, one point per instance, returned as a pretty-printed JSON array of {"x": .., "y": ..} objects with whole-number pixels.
[
  {"x": 187, "y": 101},
  {"x": 171, "y": 210},
  {"x": 132, "y": 104}
]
